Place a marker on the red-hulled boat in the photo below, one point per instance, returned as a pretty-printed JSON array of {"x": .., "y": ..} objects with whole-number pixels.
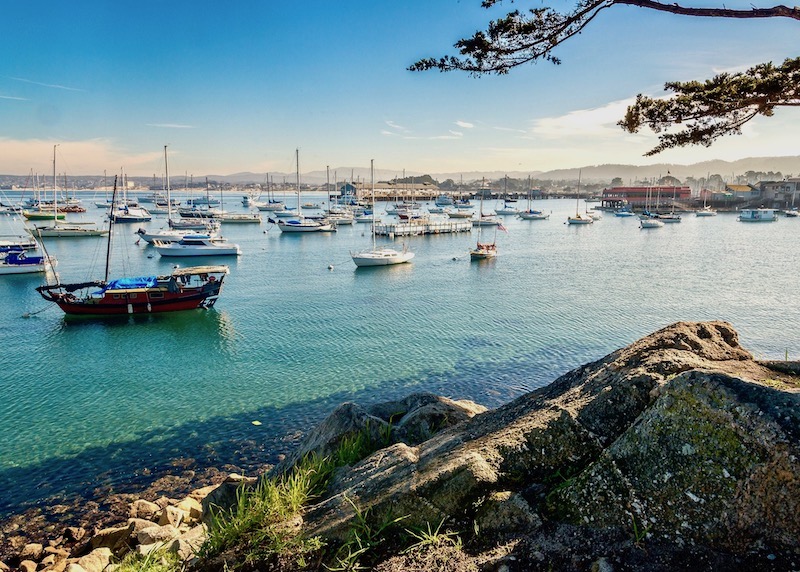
[{"x": 184, "y": 289}]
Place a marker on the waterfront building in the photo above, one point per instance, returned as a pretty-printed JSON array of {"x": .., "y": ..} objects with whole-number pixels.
[{"x": 638, "y": 197}]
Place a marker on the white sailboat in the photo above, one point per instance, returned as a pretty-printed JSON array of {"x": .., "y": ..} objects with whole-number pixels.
[
  {"x": 646, "y": 219},
  {"x": 531, "y": 213},
  {"x": 579, "y": 218},
  {"x": 379, "y": 256},
  {"x": 171, "y": 234},
  {"x": 707, "y": 210},
  {"x": 484, "y": 250},
  {"x": 60, "y": 228},
  {"x": 299, "y": 223}
]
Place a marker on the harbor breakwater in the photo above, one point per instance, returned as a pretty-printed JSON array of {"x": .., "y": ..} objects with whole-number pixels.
[{"x": 679, "y": 451}]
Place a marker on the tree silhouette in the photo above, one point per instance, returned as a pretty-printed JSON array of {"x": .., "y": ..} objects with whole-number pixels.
[{"x": 704, "y": 111}]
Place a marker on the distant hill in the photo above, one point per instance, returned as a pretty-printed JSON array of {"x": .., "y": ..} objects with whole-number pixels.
[
  {"x": 780, "y": 167},
  {"x": 787, "y": 166}
]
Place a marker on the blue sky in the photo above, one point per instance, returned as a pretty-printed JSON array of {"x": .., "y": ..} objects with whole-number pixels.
[{"x": 238, "y": 86}]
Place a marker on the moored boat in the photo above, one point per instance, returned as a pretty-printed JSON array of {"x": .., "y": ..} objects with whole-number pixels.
[
  {"x": 184, "y": 289},
  {"x": 379, "y": 256},
  {"x": 197, "y": 245},
  {"x": 758, "y": 215},
  {"x": 20, "y": 262}
]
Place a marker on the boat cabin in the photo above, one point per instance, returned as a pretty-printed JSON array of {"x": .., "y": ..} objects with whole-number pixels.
[{"x": 758, "y": 215}]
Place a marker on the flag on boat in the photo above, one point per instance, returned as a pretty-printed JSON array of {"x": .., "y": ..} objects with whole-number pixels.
[{"x": 501, "y": 227}]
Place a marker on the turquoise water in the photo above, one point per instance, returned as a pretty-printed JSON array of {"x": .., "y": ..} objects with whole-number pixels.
[{"x": 89, "y": 402}]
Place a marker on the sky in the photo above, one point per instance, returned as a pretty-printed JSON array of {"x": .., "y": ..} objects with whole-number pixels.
[{"x": 239, "y": 86}]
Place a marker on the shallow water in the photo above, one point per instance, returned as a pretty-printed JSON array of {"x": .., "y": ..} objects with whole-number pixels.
[{"x": 298, "y": 329}]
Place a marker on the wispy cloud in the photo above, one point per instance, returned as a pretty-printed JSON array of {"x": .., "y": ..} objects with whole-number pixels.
[
  {"x": 170, "y": 125},
  {"x": 464, "y": 125},
  {"x": 397, "y": 127},
  {"x": 456, "y": 133},
  {"x": 14, "y": 98},
  {"x": 509, "y": 129},
  {"x": 50, "y": 85},
  {"x": 598, "y": 122}
]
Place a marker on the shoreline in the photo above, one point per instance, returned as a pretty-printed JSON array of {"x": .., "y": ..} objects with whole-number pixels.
[{"x": 98, "y": 507}]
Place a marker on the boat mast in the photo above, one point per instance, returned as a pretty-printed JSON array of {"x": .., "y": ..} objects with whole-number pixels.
[
  {"x": 110, "y": 226},
  {"x": 55, "y": 189},
  {"x": 169, "y": 195},
  {"x": 299, "y": 207},
  {"x": 372, "y": 186}
]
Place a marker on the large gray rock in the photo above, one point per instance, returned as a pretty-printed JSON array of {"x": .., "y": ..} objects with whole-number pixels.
[
  {"x": 682, "y": 435},
  {"x": 411, "y": 420}
]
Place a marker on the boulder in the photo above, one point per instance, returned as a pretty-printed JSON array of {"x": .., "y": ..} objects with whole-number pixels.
[
  {"x": 411, "y": 420},
  {"x": 682, "y": 437},
  {"x": 154, "y": 534},
  {"x": 32, "y": 551},
  {"x": 136, "y": 525},
  {"x": 115, "y": 538},
  {"x": 27, "y": 566},
  {"x": 171, "y": 515},
  {"x": 146, "y": 510},
  {"x": 96, "y": 560},
  {"x": 420, "y": 416},
  {"x": 192, "y": 510}
]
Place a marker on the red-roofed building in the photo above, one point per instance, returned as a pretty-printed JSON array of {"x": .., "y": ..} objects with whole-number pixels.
[{"x": 639, "y": 197}]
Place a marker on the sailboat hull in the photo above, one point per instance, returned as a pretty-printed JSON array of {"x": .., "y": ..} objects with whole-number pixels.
[
  {"x": 381, "y": 257},
  {"x": 304, "y": 226},
  {"x": 66, "y": 232}
]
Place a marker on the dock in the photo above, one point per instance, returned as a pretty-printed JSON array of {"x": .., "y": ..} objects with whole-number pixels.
[{"x": 417, "y": 228}]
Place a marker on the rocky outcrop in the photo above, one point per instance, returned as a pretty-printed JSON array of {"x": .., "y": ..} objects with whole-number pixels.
[
  {"x": 682, "y": 438},
  {"x": 411, "y": 420}
]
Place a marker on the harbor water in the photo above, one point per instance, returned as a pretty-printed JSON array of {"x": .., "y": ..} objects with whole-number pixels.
[{"x": 90, "y": 403}]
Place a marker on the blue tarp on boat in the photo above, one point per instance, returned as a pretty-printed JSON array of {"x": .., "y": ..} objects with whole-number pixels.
[{"x": 134, "y": 282}]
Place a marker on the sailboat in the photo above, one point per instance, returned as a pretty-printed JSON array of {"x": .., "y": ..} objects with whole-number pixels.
[
  {"x": 670, "y": 217},
  {"x": 184, "y": 289},
  {"x": 171, "y": 234},
  {"x": 646, "y": 219},
  {"x": 299, "y": 223},
  {"x": 59, "y": 228},
  {"x": 482, "y": 218},
  {"x": 379, "y": 256},
  {"x": 530, "y": 213},
  {"x": 509, "y": 205},
  {"x": 484, "y": 250},
  {"x": 707, "y": 210},
  {"x": 579, "y": 218}
]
